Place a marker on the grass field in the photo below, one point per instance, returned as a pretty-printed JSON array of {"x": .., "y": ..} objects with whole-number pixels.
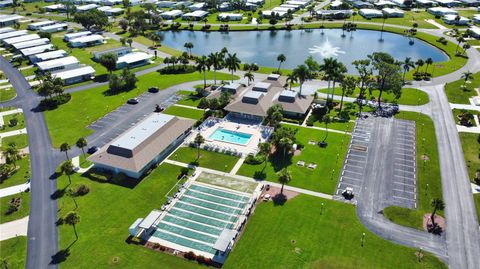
[
  {"x": 20, "y": 140},
  {"x": 14, "y": 252},
  {"x": 409, "y": 19},
  {"x": 471, "y": 150},
  {"x": 298, "y": 235},
  {"x": 19, "y": 177},
  {"x": 23, "y": 210},
  {"x": 329, "y": 161},
  {"x": 69, "y": 122},
  {"x": 457, "y": 94},
  {"x": 428, "y": 172},
  {"x": 410, "y": 96},
  {"x": 123, "y": 206},
  {"x": 7, "y": 94},
  {"x": 191, "y": 113},
  {"x": 189, "y": 99},
  {"x": 20, "y": 123},
  {"x": 208, "y": 159}
]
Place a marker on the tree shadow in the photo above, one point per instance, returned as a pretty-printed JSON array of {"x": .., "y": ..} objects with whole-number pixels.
[
  {"x": 260, "y": 175},
  {"x": 59, "y": 193},
  {"x": 119, "y": 179},
  {"x": 60, "y": 256},
  {"x": 101, "y": 78},
  {"x": 278, "y": 160}
]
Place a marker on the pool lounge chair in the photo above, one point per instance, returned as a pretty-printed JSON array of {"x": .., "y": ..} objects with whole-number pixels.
[
  {"x": 301, "y": 163},
  {"x": 312, "y": 165}
]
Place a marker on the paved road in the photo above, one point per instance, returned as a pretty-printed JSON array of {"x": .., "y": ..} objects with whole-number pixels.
[{"x": 42, "y": 231}]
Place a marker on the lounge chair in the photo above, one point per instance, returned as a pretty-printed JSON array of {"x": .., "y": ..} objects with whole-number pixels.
[
  {"x": 301, "y": 163},
  {"x": 312, "y": 166}
]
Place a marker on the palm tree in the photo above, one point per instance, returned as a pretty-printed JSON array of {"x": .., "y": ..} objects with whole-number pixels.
[
  {"x": 82, "y": 143},
  {"x": 437, "y": 204},
  {"x": 202, "y": 67},
  {"x": 73, "y": 219},
  {"x": 406, "y": 65},
  {"x": 216, "y": 60},
  {"x": 326, "y": 67},
  {"x": 466, "y": 77},
  {"x": 385, "y": 16},
  {"x": 65, "y": 147},
  {"x": 326, "y": 118},
  {"x": 281, "y": 58},
  {"x": 428, "y": 62},
  {"x": 189, "y": 47},
  {"x": 419, "y": 63},
  {"x": 232, "y": 63},
  {"x": 199, "y": 140},
  {"x": 338, "y": 72},
  {"x": 291, "y": 79},
  {"x": 302, "y": 73},
  {"x": 249, "y": 76},
  {"x": 12, "y": 154},
  {"x": 285, "y": 143},
  {"x": 69, "y": 169},
  {"x": 265, "y": 149},
  {"x": 459, "y": 41},
  {"x": 284, "y": 177},
  {"x": 349, "y": 83}
]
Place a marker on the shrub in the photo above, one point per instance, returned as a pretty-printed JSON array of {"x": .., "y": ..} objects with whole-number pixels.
[
  {"x": 190, "y": 256},
  {"x": 82, "y": 190},
  {"x": 156, "y": 245},
  {"x": 254, "y": 159},
  {"x": 311, "y": 120},
  {"x": 13, "y": 122},
  {"x": 54, "y": 102},
  {"x": 136, "y": 240},
  {"x": 177, "y": 69}
]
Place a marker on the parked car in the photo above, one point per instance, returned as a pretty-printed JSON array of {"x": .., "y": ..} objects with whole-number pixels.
[
  {"x": 133, "y": 101},
  {"x": 153, "y": 89},
  {"x": 92, "y": 150},
  {"x": 159, "y": 108},
  {"x": 348, "y": 193}
]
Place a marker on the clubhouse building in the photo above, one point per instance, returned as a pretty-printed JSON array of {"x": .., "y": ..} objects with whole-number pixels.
[{"x": 143, "y": 145}]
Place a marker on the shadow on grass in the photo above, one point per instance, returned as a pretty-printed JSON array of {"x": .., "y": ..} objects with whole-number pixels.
[
  {"x": 279, "y": 199},
  {"x": 120, "y": 179},
  {"x": 101, "y": 78},
  {"x": 59, "y": 193},
  {"x": 279, "y": 162},
  {"x": 60, "y": 256}
]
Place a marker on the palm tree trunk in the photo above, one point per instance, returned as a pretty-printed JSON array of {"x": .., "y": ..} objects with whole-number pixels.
[
  {"x": 281, "y": 190},
  {"x": 204, "y": 79},
  {"x": 432, "y": 217},
  {"x": 66, "y": 154},
  {"x": 326, "y": 132},
  {"x": 74, "y": 201},
  {"x": 380, "y": 97},
  {"x": 328, "y": 90},
  {"x": 232, "y": 75},
  {"x": 301, "y": 84},
  {"x": 215, "y": 76},
  {"x": 198, "y": 152},
  {"x": 404, "y": 73},
  {"x": 75, "y": 231},
  {"x": 341, "y": 101}
]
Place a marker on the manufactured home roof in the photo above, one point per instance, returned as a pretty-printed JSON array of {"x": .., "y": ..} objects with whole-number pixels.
[
  {"x": 76, "y": 34},
  {"x": 72, "y": 73},
  {"x": 40, "y": 24},
  {"x": 86, "y": 39},
  {"x": 13, "y": 34},
  {"x": 5, "y": 18},
  {"x": 36, "y": 50},
  {"x": 47, "y": 65},
  {"x": 51, "y": 55},
  {"x": 23, "y": 38},
  {"x": 31, "y": 43},
  {"x": 6, "y": 30},
  {"x": 53, "y": 26},
  {"x": 133, "y": 57}
]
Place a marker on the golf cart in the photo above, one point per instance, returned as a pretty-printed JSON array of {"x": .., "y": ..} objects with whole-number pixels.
[{"x": 348, "y": 193}]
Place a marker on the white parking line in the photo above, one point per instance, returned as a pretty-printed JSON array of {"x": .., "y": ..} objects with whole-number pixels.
[
  {"x": 403, "y": 198},
  {"x": 351, "y": 171},
  {"x": 403, "y": 171},
  {"x": 409, "y": 192},
  {"x": 352, "y": 179}
]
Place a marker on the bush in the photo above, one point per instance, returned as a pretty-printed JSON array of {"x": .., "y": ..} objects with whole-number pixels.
[
  {"x": 177, "y": 69},
  {"x": 190, "y": 256},
  {"x": 311, "y": 120},
  {"x": 82, "y": 190},
  {"x": 136, "y": 240},
  {"x": 13, "y": 122},
  {"x": 54, "y": 102},
  {"x": 254, "y": 159}
]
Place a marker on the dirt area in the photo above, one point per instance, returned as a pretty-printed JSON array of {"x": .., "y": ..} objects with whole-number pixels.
[
  {"x": 425, "y": 157},
  {"x": 273, "y": 191},
  {"x": 439, "y": 221}
]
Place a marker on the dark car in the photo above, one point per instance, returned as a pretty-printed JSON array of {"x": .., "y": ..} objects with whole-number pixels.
[
  {"x": 159, "y": 108},
  {"x": 133, "y": 101},
  {"x": 153, "y": 89},
  {"x": 92, "y": 150}
]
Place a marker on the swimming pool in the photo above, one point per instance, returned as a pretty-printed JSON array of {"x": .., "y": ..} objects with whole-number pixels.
[{"x": 230, "y": 136}]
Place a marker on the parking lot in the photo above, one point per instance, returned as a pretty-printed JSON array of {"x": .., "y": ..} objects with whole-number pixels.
[
  {"x": 118, "y": 121},
  {"x": 381, "y": 158}
]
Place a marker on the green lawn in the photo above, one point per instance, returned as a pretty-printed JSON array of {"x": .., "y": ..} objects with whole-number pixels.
[
  {"x": 7, "y": 94},
  {"x": 208, "y": 159},
  {"x": 323, "y": 178},
  {"x": 409, "y": 19},
  {"x": 23, "y": 210},
  {"x": 196, "y": 114},
  {"x": 69, "y": 122},
  {"x": 457, "y": 94},
  {"x": 19, "y": 177},
  {"x": 20, "y": 140},
  {"x": 428, "y": 172},
  {"x": 189, "y": 98},
  {"x": 113, "y": 208},
  {"x": 337, "y": 124},
  {"x": 14, "y": 252},
  {"x": 410, "y": 96},
  {"x": 20, "y": 123},
  {"x": 298, "y": 235},
  {"x": 471, "y": 149}
]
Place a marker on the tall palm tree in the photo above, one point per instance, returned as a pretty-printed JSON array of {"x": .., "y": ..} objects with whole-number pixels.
[
  {"x": 437, "y": 204},
  {"x": 284, "y": 177},
  {"x": 338, "y": 72},
  {"x": 349, "y": 83},
  {"x": 189, "y": 47},
  {"x": 326, "y": 67},
  {"x": 406, "y": 65},
  {"x": 265, "y": 149},
  {"x": 199, "y": 140},
  {"x": 232, "y": 63},
  {"x": 202, "y": 67},
  {"x": 65, "y": 147},
  {"x": 249, "y": 76},
  {"x": 69, "y": 169},
  {"x": 281, "y": 58},
  {"x": 385, "y": 16},
  {"x": 12, "y": 154},
  {"x": 428, "y": 62},
  {"x": 466, "y": 77},
  {"x": 326, "y": 118},
  {"x": 460, "y": 40},
  {"x": 216, "y": 60},
  {"x": 285, "y": 143},
  {"x": 82, "y": 143},
  {"x": 302, "y": 73},
  {"x": 291, "y": 79},
  {"x": 419, "y": 63},
  {"x": 73, "y": 219}
]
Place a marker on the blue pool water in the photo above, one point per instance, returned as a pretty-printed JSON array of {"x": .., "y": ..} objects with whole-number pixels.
[
  {"x": 263, "y": 47},
  {"x": 230, "y": 136}
]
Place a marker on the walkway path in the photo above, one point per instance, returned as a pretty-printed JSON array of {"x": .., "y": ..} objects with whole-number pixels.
[
  {"x": 318, "y": 128},
  {"x": 433, "y": 22},
  {"x": 464, "y": 106},
  {"x": 275, "y": 184},
  {"x": 14, "y": 189},
  {"x": 77, "y": 167},
  {"x": 189, "y": 107},
  {"x": 13, "y": 133},
  {"x": 13, "y": 229},
  {"x": 237, "y": 166}
]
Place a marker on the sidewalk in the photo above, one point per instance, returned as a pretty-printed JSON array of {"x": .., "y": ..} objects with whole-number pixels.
[
  {"x": 14, "y": 228},
  {"x": 76, "y": 164},
  {"x": 318, "y": 128},
  {"x": 275, "y": 184},
  {"x": 434, "y": 23},
  {"x": 13, "y": 133},
  {"x": 14, "y": 189}
]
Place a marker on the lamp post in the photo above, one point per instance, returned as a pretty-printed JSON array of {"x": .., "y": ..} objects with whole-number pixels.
[{"x": 363, "y": 239}]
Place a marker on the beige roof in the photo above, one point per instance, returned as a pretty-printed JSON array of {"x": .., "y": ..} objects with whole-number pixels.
[
  {"x": 144, "y": 152},
  {"x": 300, "y": 105}
]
